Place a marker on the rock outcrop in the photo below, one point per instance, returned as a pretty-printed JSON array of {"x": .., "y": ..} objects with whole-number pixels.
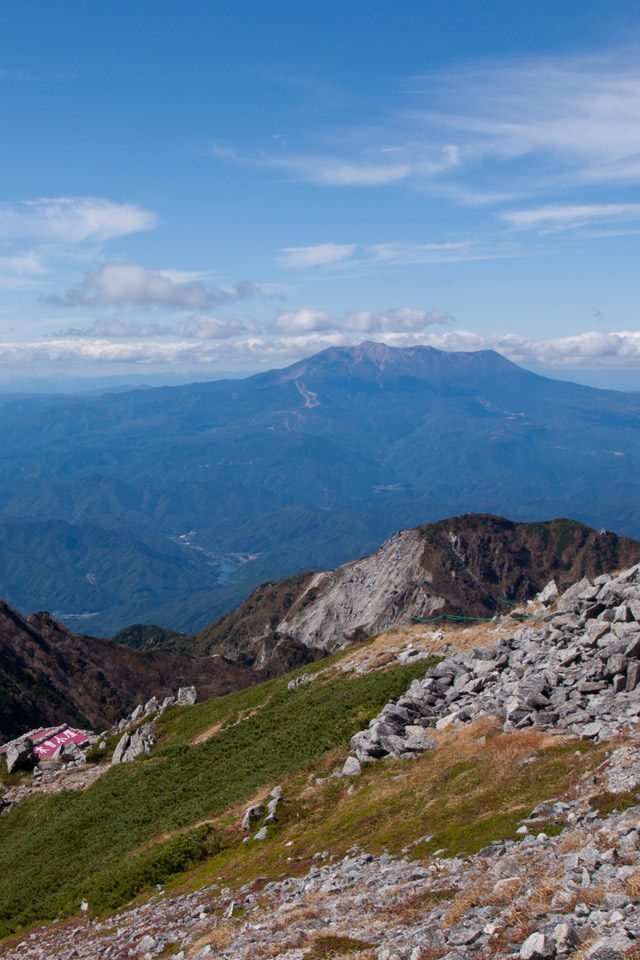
[
  {"x": 462, "y": 566},
  {"x": 576, "y": 670}
]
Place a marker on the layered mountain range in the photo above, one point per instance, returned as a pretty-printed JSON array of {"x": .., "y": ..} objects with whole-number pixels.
[{"x": 169, "y": 505}]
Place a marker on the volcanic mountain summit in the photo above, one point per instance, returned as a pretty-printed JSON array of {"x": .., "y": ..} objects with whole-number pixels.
[{"x": 169, "y": 505}]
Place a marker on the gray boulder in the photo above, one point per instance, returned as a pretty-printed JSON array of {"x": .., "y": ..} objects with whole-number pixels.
[
  {"x": 609, "y": 948},
  {"x": 537, "y": 947},
  {"x": 137, "y": 714},
  {"x": 549, "y": 593},
  {"x": 20, "y": 755},
  {"x": 565, "y": 937},
  {"x": 351, "y": 767},
  {"x": 71, "y": 751},
  {"x": 121, "y": 748},
  {"x": 187, "y": 696},
  {"x": 137, "y": 748},
  {"x": 250, "y": 814},
  {"x": 151, "y": 706}
]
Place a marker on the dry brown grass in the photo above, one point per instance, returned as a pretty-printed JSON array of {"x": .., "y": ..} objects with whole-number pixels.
[
  {"x": 579, "y": 953},
  {"x": 632, "y": 886},
  {"x": 592, "y": 896},
  {"x": 219, "y": 938},
  {"x": 294, "y": 915},
  {"x": 507, "y": 749},
  {"x": 275, "y": 950},
  {"x": 544, "y": 892},
  {"x": 438, "y": 638},
  {"x": 411, "y": 908},
  {"x": 477, "y": 893},
  {"x": 570, "y": 841},
  {"x": 517, "y": 926}
]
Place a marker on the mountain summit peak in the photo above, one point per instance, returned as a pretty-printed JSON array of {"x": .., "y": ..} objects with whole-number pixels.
[{"x": 371, "y": 359}]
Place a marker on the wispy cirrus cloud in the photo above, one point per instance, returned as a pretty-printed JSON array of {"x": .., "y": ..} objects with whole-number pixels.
[
  {"x": 132, "y": 285},
  {"x": 480, "y": 132},
  {"x": 554, "y": 217},
  {"x": 582, "y": 112},
  {"x": 337, "y": 256},
  {"x": 24, "y": 264},
  {"x": 318, "y": 255},
  {"x": 73, "y": 220},
  {"x": 21, "y": 270},
  {"x": 376, "y": 166}
]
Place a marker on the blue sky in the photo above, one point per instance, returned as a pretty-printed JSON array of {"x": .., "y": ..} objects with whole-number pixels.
[{"x": 228, "y": 187}]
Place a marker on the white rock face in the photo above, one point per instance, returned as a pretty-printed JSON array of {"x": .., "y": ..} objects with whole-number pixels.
[{"x": 364, "y": 594}]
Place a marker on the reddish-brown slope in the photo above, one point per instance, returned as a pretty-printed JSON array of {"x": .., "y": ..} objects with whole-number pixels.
[{"x": 49, "y": 675}]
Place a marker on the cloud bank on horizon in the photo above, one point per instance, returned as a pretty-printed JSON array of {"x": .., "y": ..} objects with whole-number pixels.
[{"x": 489, "y": 202}]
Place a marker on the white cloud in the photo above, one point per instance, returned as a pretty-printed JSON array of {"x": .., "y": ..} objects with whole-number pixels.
[
  {"x": 204, "y": 327},
  {"x": 566, "y": 216},
  {"x": 113, "y": 328},
  {"x": 183, "y": 276},
  {"x": 73, "y": 219},
  {"x": 318, "y": 255},
  {"x": 132, "y": 285},
  {"x": 407, "y": 253},
  {"x": 404, "y": 318},
  {"x": 306, "y": 320},
  {"x": 199, "y": 327},
  {"x": 24, "y": 264},
  {"x": 590, "y": 350},
  {"x": 581, "y": 111}
]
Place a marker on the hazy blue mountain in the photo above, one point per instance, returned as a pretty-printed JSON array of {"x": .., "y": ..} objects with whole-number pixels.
[{"x": 233, "y": 482}]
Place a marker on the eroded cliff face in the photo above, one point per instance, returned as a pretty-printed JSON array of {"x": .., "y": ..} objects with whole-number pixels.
[
  {"x": 365, "y": 596},
  {"x": 464, "y": 566}
]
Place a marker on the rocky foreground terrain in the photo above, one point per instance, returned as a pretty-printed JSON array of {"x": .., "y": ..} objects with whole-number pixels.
[{"x": 561, "y": 880}]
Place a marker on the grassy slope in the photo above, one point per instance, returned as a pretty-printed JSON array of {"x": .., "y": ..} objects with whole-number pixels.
[
  {"x": 174, "y": 817},
  {"x": 101, "y": 844}
]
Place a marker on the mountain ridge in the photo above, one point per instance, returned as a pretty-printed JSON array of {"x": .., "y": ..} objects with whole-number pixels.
[{"x": 463, "y": 566}]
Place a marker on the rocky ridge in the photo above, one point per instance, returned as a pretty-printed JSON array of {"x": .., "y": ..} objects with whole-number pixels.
[
  {"x": 576, "y": 670},
  {"x": 569, "y": 888},
  {"x": 464, "y": 565}
]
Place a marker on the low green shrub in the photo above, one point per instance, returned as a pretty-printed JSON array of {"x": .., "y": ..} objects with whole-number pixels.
[{"x": 105, "y": 843}]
